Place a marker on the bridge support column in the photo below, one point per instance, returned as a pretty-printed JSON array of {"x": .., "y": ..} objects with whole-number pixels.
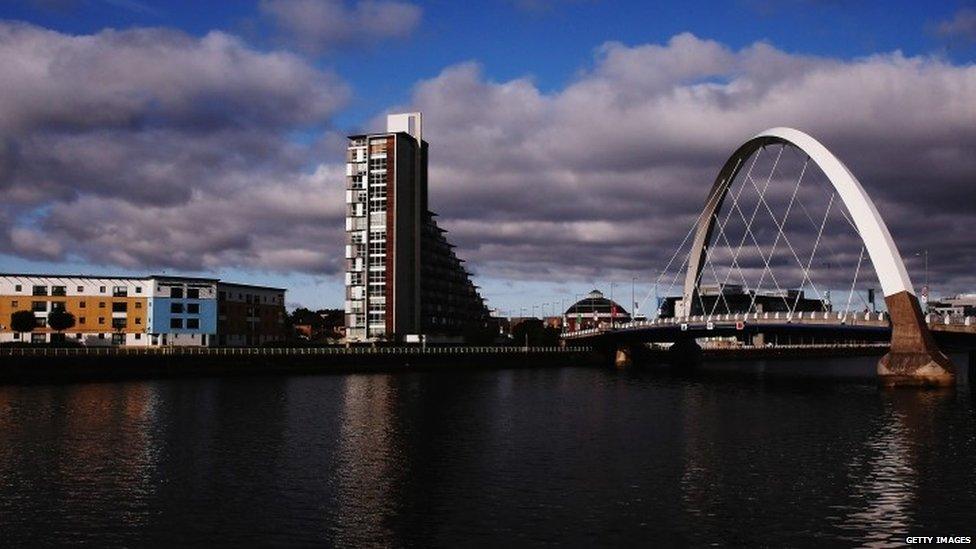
[
  {"x": 685, "y": 352},
  {"x": 914, "y": 358},
  {"x": 624, "y": 357},
  {"x": 972, "y": 367}
]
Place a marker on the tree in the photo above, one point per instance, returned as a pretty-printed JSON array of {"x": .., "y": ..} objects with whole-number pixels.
[
  {"x": 23, "y": 321},
  {"x": 538, "y": 333},
  {"x": 60, "y": 320}
]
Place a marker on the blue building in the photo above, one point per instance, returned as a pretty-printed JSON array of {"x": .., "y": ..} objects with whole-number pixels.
[{"x": 182, "y": 311}]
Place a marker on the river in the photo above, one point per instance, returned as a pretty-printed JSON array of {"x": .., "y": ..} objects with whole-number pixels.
[{"x": 792, "y": 453}]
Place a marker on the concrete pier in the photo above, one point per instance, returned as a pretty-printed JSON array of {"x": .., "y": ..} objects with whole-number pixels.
[
  {"x": 914, "y": 358},
  {"x": 624, "y": 357}
]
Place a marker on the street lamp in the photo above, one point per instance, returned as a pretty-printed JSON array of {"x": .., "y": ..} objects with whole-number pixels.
[{"x": 633, "y": 298}]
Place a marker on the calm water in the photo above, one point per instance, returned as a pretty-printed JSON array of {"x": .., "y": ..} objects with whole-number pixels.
[{"x": 770, "y": 456}]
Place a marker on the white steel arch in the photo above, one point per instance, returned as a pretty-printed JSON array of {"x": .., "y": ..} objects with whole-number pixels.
[{"x": 884, "y": 255}]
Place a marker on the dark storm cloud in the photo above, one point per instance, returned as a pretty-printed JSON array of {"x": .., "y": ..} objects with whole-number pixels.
[
  {"x": 151, "y": 148},
  {"x": 607, "y": 174}
]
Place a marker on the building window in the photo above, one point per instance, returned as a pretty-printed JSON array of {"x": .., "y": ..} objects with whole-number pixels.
[
  {"x": 118, "y": 339},
  {"x": 81, "y": 305},
  {"x": 101, "y": 304},
  {"x": 118, "y": 323},
  {"x": 57, "y": 305},
  {"x": 14, "y": 304},
  {"x": 221, "y": 295},
  {"x": 81, "y": 320},
  {"x": 138, "y": 304},
  {"x": 193, "y": 293},
  {"x": 138, "y": 291},
  {"x": 101, "y": 289},
  {"x": 81, "y": 289},
  {"x": 39, "y": 306},
  {"x": 101, "y": 320},
  {"x": 176, "y": 293},
  {"x": 176, "y": 308},
  {"x": 138, "y": 320},
  {"x": 138, "y": 336},
  {"x": 120, "y": 291},
  {"x": 18, "y": 288},
  {"x": 58, "y": 290},
  {"x": 40, "y": 290},
  {"x": 77, "y": 336},
  {"x": 119, "y": 306},
  {"x": 176, "y": 323},
  {"x": 193, "y": 323},
  {"x": 193, "y": 308}
]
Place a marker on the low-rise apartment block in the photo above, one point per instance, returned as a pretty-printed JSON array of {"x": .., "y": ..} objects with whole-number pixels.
[{"x": 157, "y": 310}]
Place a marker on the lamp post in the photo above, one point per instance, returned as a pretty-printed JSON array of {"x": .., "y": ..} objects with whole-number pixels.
[
  {"x": 612, "y": 306},
  {"x": 925, "y": 288},
  {"x": 633, "y": 298}
]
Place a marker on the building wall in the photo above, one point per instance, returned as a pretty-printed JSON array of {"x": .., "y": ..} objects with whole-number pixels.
[
  {"x": 249, "y": 315},
  {"x": 104, "y": 308},
  {"x": 155, "y": 310},
  {"x": 183, "y": 311}
]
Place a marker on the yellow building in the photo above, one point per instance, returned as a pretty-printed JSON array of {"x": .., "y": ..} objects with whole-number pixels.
[{"x": 107, "y": 310}]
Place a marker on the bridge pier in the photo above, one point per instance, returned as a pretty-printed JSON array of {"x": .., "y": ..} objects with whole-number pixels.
[
  {"x": 972, "y": 367},
  {"x": 914, "y": 358},
  {"x": 624, "y": 357},
  {"x": 685, "y": 351}
]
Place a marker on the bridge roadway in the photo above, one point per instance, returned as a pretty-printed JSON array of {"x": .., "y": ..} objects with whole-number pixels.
[{"x": 950, "y": 332}]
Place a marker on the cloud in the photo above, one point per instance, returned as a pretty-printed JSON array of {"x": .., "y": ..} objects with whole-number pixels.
[
  {"x": 625, "y": 154},
  {"x": 141, "y": 8},
  {"x": 961, "y": 27},
  {"x": 320, "y": 25},
  {"x": 151, "y": 148}
]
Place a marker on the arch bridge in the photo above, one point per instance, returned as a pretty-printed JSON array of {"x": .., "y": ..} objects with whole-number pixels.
[{"x": 914, "y": 357}]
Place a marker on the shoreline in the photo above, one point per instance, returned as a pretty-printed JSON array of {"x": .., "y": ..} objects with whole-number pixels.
[{"x": 60, "y": 365}]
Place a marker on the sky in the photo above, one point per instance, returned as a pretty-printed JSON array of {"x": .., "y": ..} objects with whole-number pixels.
[{"x": 572, "y": 142}]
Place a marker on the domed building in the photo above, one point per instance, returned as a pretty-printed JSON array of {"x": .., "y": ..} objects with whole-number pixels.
[{"x": 594, "y": 311}]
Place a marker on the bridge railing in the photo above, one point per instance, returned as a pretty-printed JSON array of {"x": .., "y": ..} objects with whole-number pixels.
[{"x": 817, "y": 317}]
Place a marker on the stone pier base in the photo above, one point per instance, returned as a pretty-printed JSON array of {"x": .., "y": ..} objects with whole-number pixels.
[
  {"x": 624, "y": 357},
  {"x": 914, "y": 358}
]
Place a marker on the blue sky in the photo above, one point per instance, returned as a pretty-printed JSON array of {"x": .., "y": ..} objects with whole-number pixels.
[{"x": 545, "y": 47}]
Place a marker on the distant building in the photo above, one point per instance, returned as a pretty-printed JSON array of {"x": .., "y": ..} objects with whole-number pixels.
[
  {"x": 157, "y": 310},
  {"x": 955, "y": 305},
  {"x": 594, "y": 311},
  {"x": 733, "y": 298},
  {"x": 403, "y": 278}
]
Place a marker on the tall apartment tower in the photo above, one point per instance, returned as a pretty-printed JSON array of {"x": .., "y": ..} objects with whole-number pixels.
[{"x": 402, "y": 278}]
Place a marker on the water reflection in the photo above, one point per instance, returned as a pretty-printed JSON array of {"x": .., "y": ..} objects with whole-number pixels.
[
  {"x": 368, "y": 461},
  {"x": 511, "y": 457},
  {"x": 71, "y": 451},
  {"x": 885, "y": 472}
]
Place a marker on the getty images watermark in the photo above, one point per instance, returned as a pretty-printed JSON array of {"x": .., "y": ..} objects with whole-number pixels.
[{"x": 915, "y": 540}]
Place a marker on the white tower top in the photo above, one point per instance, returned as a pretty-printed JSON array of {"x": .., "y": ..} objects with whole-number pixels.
[{"x": 411, "y": 122}]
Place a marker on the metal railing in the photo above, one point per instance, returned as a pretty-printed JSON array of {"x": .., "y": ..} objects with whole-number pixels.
[
  {"x": 817, "y": 318},
  {"x": 280, "y": 351}
]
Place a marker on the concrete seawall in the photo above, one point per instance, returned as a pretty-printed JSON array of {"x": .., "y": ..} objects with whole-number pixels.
[{"x": 65, "y": 365}]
